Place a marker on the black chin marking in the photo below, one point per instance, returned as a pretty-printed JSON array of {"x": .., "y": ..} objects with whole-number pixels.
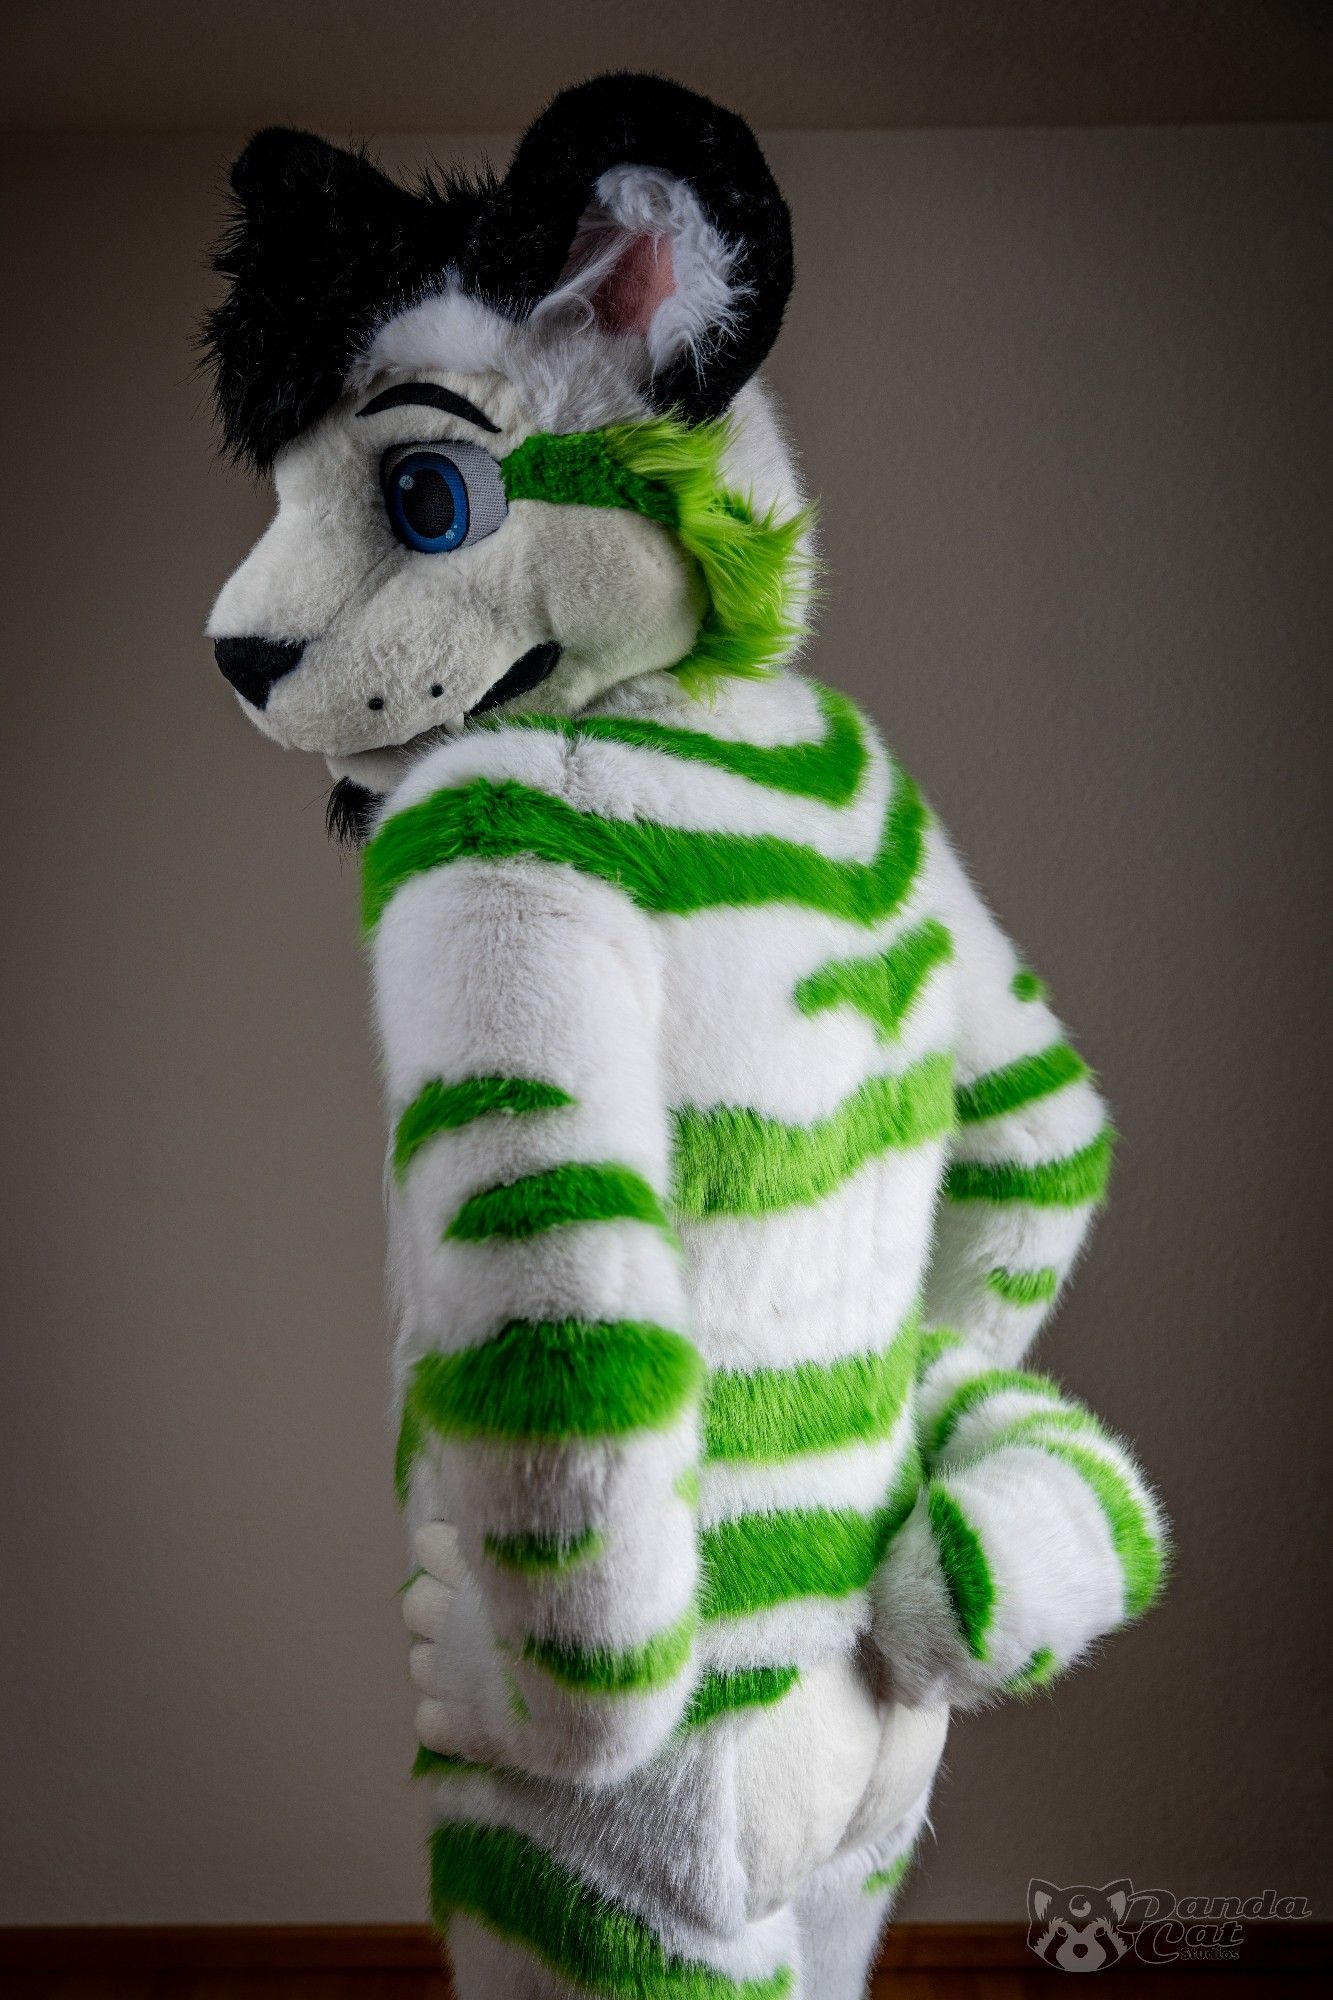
[
  {"x": 349, "y": 812},
  {"x": 528, "y": 672}
]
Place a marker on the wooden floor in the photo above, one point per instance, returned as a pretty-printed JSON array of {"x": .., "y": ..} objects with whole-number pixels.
[{"x": 1194, "y": 1984}]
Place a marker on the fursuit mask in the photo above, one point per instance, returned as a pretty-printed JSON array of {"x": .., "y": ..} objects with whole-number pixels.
[{"x": 503, "y": 425}]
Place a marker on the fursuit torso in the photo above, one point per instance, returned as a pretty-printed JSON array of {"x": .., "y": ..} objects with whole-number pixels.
[{"x": 719, "y": 1103}]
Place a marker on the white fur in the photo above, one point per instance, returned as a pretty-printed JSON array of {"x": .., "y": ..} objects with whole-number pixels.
[
  {"x": 810, "y": 1284},
  {"x": 856, "y": 1476},
  {"x": 801, "y": 1772},
  {"x": 569, "y": 376},
  {"x": 801, "y": 1633}
]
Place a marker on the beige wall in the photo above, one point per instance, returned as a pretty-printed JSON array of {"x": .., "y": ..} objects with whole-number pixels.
[{"x": 1067, "y": 400}]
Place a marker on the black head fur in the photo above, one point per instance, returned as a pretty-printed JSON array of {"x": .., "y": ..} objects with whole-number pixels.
[
  {"x": 322, "y": 248},
  {"x": 349, "y": 812}
]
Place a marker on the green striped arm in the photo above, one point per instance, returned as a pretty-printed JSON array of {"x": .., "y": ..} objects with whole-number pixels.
[
  {"x": 507, "y": 1882},
  {"x": 544, "y": 1555},
  {"x": 1073, "y": 1181},
  {"x": 1067, "y": 1435},
  {"x": 1019, "y": 1083},
  {"x": 447, "y": 1107},
  {"x": 549, "y": 1381},
  {"x": 632, "y": 1670},
  {"x": 986, "y": 1433},
  {"x": 1139, "y": 1542},
  {"x": 965, "y": 1567},
  {"x": 971, "y": 1394},
  {"x": 1024, "y": 1288},
  {"x": 558, "y": 1198}
]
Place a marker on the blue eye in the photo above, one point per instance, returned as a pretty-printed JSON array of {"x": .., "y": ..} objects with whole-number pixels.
[
  {"x": 427, "y": 500},
  {"x": 437, "y": 499}
]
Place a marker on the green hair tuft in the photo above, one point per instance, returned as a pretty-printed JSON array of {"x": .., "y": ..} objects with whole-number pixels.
[{"x": 755, "y": 570}]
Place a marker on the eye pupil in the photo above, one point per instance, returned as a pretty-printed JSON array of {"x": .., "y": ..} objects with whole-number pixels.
[{"x": 427, "y": 503}]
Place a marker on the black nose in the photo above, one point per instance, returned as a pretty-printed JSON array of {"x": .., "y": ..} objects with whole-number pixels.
[{"x": 253, "y": 665}]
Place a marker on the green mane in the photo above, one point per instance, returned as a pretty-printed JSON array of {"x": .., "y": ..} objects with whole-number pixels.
[{"x": 753, "y": 567}]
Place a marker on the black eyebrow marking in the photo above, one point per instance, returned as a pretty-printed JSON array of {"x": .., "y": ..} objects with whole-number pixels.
[{"x": 434, "y": 397}]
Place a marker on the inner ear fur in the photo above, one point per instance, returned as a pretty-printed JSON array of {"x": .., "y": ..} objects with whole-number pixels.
[{"x": 653, "y": 212}]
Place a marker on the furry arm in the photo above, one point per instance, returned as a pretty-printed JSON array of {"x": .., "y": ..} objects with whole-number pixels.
[
  {"x": 549, "y": 1387},
  {"x": 1035, "y": 1533}
]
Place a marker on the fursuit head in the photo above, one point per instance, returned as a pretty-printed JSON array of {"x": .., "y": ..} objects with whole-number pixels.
[{"x": 518, "y": 449}]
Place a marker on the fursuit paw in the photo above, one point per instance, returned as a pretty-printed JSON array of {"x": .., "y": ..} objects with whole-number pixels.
[
  {"x": 1012, "y": 1564},
  {"x": 464, "y": 1708}
]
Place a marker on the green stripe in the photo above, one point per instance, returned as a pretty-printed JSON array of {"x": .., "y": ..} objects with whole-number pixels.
[
  {"x": 1024, "y": 1288},
  {"x": 635, "y": 1670},
  {"x": 1141, "y": 1557},
  {"x": 1032, "y": 1428},
  {"x": 890, "y": 1877},
  {"x": 748, "y": 1687},
  {"x": 409, "y": 1447},
  {"x": 435, "y": 1764},
  {"x": 829, "y": 769},
  {"x": 579, "y": 1191},
  {"x": 577, "y": 469},
  {"x": 444, "y": 1107},
  {"x": 661, "y": 868},
  {"x": 1038, "y": 1673},
  {"x": 505, "y": 1881},
  {"x": 544, "y": 1555},
  {"x": 1067, "y": 1183},
  {"x": 940, "y": 1340},
  {"x": 732, "y": 1161},
  {"x": 1021, "y": 1082},
  {"x": 967, "y": 1575},
  {"x": 553, "y": 1379},
  {"x": 769, "y": 1414},
  {"x": 885, "y": 987},
  {"x": 765, "y": 1559},
  {"x": 979, "y": 1389}
]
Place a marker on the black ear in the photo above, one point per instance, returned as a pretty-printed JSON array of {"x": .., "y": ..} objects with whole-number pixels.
[
  {"x": 572, "y": 218},
  {"x": 320, "y": 249}
]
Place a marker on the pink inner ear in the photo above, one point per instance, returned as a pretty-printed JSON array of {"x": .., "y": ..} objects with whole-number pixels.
[{"x": 643, "y": 279}]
